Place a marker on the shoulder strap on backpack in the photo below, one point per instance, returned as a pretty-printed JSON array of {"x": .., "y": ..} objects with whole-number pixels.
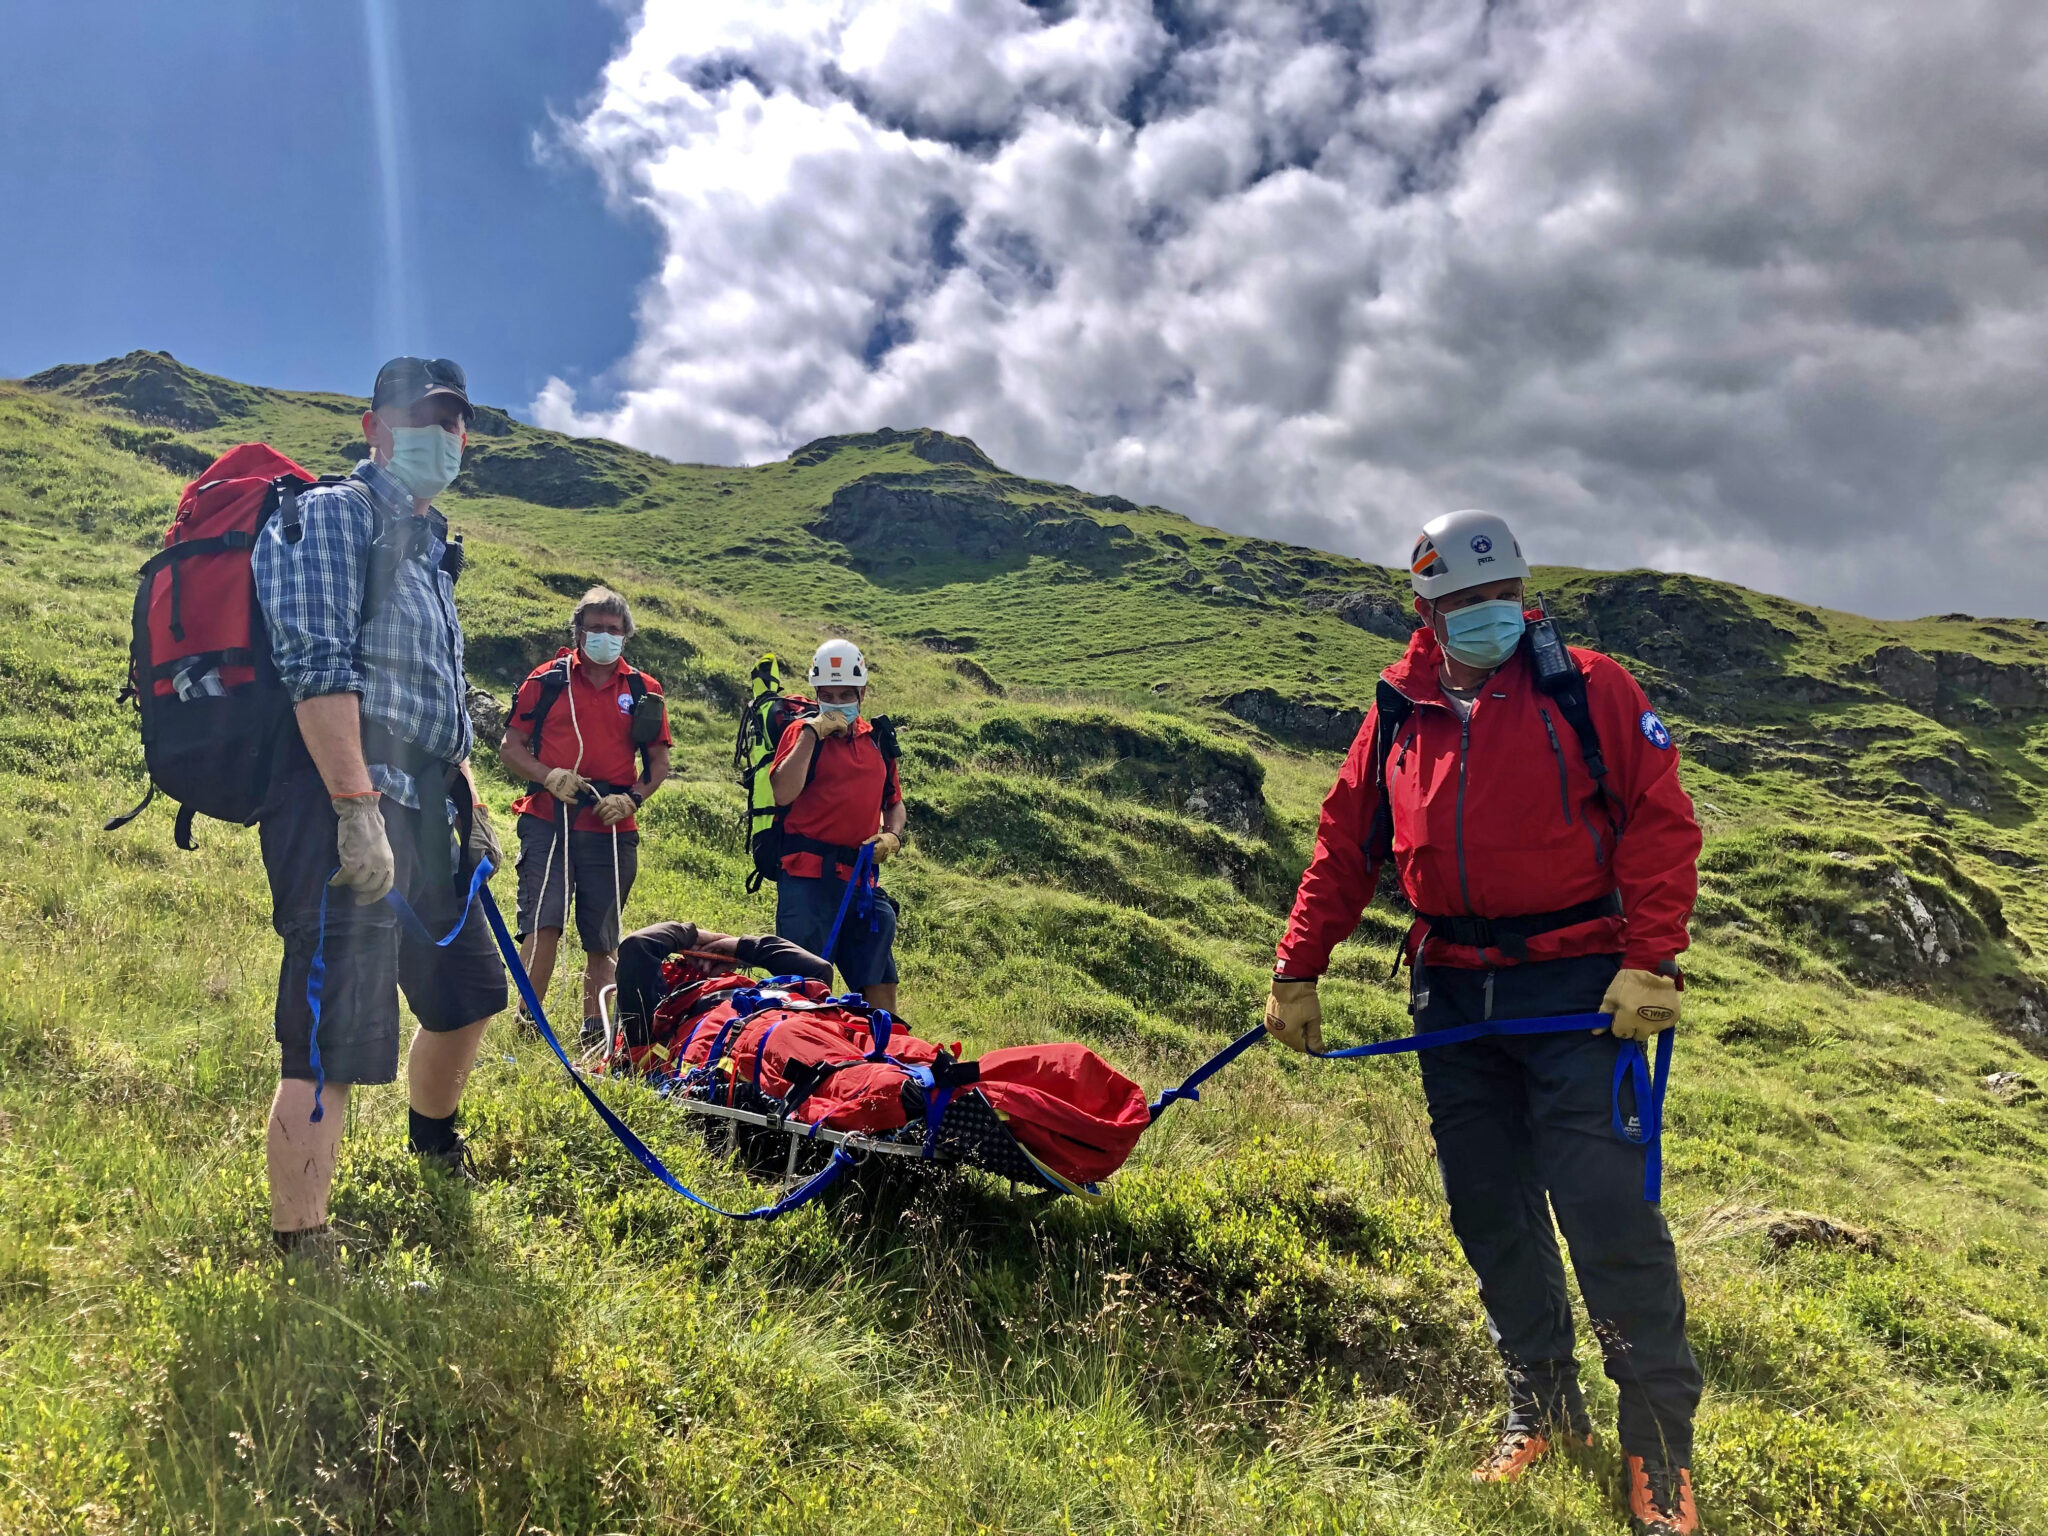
[
  {"x": 552, "y": 682},
  {"x": 1560, "y": 679},
  {"x": 1391, "y": 709}
]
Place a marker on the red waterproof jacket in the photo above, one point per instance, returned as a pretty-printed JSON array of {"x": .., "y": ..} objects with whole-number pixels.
[{"x": 1498, "y": 817}]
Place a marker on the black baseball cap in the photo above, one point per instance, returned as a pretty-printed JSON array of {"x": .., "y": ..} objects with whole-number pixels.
[{"x": 406, "y": 381}]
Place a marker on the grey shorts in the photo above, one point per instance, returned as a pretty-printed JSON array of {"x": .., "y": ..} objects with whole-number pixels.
[
  {"x": 367, "y": 958},
  {"x": 589, "y": 879}
]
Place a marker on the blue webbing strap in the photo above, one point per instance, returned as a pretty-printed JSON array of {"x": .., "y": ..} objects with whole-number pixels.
[
  {"x": 805, "y": 1192},
  {"x": 863, "y": 880},
  {"x": 1646, "y": 1126},
  {"x": 761, "y": 1050},
  {"x": 935, "y": 1101},
  {"x": 316, "y": 983},
  {"x": 1644, "y": 1129}
]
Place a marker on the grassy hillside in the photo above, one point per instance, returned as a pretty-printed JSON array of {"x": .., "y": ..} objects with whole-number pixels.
[{"x": 1117, "y": 727}]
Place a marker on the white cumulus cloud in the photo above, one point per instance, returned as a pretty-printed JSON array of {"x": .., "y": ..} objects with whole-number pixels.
[{"x": 1746, "y": 288}]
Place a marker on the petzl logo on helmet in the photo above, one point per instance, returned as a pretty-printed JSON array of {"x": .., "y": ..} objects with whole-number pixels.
[
  {"x": 1654, "y": 730},
  {"x": 1481, "y": 544}
]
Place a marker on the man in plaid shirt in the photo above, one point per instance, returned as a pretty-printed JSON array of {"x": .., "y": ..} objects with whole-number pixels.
[{"x": 359, "y": 597}]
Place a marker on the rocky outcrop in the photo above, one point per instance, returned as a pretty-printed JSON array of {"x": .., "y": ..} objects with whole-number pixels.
[
  {"x": 1379, "y": 613},
  {"x": 553, "y": 472},
  {"x": 940, "y": 516},
  {"x": 1688, "y": 628},
  {"x": 1307, "y": 722},
  {"x": 933, "y": 447},
  {"x": 153, "y": 387},
  {"x": 158, "y": 446},
  {"x": 1956, "y": 686},
  {"x": 487, "y": 716},
  {"x": 2010, "y": 1087}
]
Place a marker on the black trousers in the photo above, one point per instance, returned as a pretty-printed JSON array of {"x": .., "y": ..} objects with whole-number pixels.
[{"x": 1524, "y": 1127}]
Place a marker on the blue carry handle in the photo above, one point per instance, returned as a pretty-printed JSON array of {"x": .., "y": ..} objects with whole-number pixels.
[
  {"x": 1644, "y": 1129},
  {"x": 861, "y": 881}
]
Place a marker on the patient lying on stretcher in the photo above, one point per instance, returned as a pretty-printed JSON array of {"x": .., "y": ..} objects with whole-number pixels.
[
  {"x": 655, "y": 962},
  {"x": 689, "y": 1013}
]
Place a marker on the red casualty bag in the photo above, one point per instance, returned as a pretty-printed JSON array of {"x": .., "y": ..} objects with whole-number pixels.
[{"x": 1069, "y": 1108}]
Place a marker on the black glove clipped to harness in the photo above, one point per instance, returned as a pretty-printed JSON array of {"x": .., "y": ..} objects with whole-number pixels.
[{"x": 776, "y": 955}]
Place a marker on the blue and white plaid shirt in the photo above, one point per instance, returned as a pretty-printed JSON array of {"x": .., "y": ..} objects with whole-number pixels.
[{"x": 406, "y": 662}]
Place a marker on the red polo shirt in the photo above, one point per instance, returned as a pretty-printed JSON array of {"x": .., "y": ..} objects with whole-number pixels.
[
  {"x": 588, "y": 729},
  {"x": 851, "y": 786}
]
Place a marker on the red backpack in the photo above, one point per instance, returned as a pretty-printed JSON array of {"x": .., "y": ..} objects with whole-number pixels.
[{"x": 213, "y": 711}]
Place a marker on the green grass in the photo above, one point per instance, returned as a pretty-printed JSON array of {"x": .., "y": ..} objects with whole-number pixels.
[{"x": 1264, "y": 1327}]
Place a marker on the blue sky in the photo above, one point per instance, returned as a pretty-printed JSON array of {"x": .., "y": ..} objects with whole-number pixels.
[{"x": 204, "y": 179}]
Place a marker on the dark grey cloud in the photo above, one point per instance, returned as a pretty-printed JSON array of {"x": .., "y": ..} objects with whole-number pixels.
[{"x": 1751, "y": 289}]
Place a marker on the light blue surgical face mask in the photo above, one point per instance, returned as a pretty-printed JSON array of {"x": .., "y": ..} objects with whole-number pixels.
[
  {"x": 851, "y": 712},
  {"x": 1483, "y": 634},
  {"x": 602, "y": 649},
  {"x": 425, "y": 460}
]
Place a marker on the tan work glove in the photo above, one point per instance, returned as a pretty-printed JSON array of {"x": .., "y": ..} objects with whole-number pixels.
[
  {"x": 362, "y": 847},
  {"x": 1643, "y": 1004},
  {"x": 828, "y": 722},
  {"x": 1294, "y": 1015},
  {"x": 566, "y": 785},
  {"x": 613, "y": 809},
  {"x": 886, "y": 845},
  {"x": 483, "y": 837}
]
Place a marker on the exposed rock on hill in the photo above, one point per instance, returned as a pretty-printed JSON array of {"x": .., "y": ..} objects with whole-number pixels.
[
  {"x": 954, "y": 515},
  {"x": 159, "y": 447},
  {"x": 933, "y": 447},
  {"x": 1306, "y": 721},
  {"x": 1956, "y": 686},
  {"x": 1693, "y": 630},
  {"x": 153, "y": 387},
  {"x": 553, "y": 472},
  {"x": 1379, "y": 613}
]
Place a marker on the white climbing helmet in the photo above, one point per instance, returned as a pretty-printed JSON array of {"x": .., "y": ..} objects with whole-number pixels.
[
  {"x": 839, "y": 664},
  {"x": 1464, "y": 549}
]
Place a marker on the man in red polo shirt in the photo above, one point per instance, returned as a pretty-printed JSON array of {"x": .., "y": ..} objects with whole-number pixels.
[
  {"x": 842, "y": 792},
  {"x": 593, "y": 716}
]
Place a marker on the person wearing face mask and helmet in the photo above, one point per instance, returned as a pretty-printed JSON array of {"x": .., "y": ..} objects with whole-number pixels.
[
  {"x": 589, "y": 733},
  {"x": 841, "y": 790},
  {"x": 373, "y": 791},
  {"x": 1528, "y": 798}
]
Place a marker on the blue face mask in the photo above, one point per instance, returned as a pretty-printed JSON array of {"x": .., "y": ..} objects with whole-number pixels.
[
  {"x": 425, "y": 460},
  {"x": 850, "y": 712},
  {"x": 1483, "y": 634},
  {"x": 602, "y": 649}
]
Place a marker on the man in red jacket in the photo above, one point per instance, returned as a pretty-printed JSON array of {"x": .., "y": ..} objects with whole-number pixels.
[
  {"x": 1544, "y": 882},
  {"x": 590, "y": 735}
]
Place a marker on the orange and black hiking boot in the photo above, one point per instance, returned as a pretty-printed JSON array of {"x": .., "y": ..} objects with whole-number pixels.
[
  {"x": 1660, "y": 1499},
  {"x": 1517, "y": 1451}
]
